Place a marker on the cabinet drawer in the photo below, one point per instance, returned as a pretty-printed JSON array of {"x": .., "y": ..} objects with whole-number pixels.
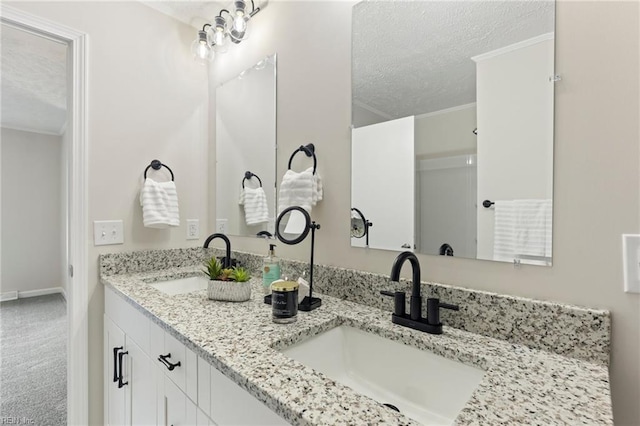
[{"x": 177, "y": 361}]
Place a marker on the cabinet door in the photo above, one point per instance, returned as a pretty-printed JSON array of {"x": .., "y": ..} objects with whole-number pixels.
[
  {"x": 175, "y": 404},
  {"x": 232, "y": 405},
  {"x": 142, "y": 385},
  {"x": 202, "y": 419},
  {"x": 114, "y": 397}
]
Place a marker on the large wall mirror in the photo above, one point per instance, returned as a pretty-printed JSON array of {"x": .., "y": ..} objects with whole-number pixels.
[
  {"x": 452, "y": 136},
  {"x": 246, "y": 151}
]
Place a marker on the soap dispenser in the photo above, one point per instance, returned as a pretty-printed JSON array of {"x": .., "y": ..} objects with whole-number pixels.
[{"x": 270, "y": 269}]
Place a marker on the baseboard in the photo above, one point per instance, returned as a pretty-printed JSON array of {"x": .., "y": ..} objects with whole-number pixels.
[
  {"x": 13, "y": 295},
  {"x": 9, "y": 295}
]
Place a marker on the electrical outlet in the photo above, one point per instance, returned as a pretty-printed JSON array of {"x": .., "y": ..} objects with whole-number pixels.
[
  {"x": 222, "y": 225},
  {"x": 107, "y": 232},
  {"x": 193, "y": 229},
  {"x": 631, "y": 262}
]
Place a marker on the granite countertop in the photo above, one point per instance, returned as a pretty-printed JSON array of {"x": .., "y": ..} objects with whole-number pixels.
[{"x": 520, "y": 386}]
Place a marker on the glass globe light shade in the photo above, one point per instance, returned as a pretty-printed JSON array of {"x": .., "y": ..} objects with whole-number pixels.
[
  {"x": 201, "y": 50},
  {"x": 239, "y": 24},
  {"x": 218, "y": 35}
]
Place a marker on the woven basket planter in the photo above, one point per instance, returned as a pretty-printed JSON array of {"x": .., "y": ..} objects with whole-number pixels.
[{"x": 229, "y": 291}]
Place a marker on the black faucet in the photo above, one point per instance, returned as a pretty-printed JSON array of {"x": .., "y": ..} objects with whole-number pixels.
[
  {"x": 414, "y": 320},
  {"x": 227, "y": 262}
]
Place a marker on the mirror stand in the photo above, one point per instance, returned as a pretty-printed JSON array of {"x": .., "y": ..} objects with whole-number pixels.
[{"x": 309, "y": 303}]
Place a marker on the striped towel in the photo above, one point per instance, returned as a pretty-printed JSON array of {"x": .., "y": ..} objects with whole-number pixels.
[
  {"x": 159, "y": 201},
  {"x": 254, "y": 201},
  {"x": 522, "y": 230},
  {"x": 302, "y": 189},
  {"x": 504, "y": 231},
  {"x": 533, "y": 227}
]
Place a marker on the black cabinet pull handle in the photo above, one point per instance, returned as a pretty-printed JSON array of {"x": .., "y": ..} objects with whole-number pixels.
[
  {"x": 168, "y": 364},
  {"x": 120, "y": 382},
  {"x": 115, "y": 363}
]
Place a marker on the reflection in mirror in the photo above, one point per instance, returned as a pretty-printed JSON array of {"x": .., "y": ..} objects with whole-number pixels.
[
  {"x": 454, "y": 107},
  {"x": 360, "y": 225},
  {"x": 246, "y": 152}
]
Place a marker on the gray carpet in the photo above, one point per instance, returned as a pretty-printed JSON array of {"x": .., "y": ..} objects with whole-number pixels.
[{"x": 33, "y": 366}]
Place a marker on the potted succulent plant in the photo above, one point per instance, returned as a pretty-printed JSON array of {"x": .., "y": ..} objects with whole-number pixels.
[{"x": 227, "y": 284}]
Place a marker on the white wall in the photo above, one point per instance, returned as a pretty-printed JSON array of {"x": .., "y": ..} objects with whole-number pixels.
[
  {"x": 362, "y": 115},
  {"x": 446, "y": 208},
  {"x": 446, "y": 182},
  {"x": 447, "y": 132},
  {"x": 31, "y": 216},
  {"x": 147, "y": 99},
  {"x": 515, "y": 131},
  {"x": 596, "y": 184}
]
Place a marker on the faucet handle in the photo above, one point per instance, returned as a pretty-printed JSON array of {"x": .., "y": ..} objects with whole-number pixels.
[
  {"x": 433, "y": 310},
  {"x": 228, "y": 263},
  {"x": 399, "y": 303}
]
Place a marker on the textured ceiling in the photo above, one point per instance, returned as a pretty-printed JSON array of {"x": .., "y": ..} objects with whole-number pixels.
[
  {"x": 414, "y": 57},
  {"x": 33, "y": 83}
]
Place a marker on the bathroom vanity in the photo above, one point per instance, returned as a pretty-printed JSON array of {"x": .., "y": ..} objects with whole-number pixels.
[{"x": 184, "y": 359}]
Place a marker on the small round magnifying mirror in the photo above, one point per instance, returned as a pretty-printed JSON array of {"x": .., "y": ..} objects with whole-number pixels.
[
  {"x": 358, "y": 228},
  {"x": 292, "y": 227}
]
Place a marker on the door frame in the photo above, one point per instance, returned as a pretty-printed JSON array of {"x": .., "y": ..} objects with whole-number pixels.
[{"x": 77, "y": 205}]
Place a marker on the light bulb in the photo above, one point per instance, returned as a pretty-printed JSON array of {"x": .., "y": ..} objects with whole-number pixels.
[
  {"x": 218, "y": 35},
  {"x": 201, "y": 50},
  {"x": 239, "y": 24}
]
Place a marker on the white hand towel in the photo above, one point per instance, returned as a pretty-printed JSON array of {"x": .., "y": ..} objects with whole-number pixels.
[
  {"x": 254, "y": 201},
  {"x": 504, "y": 231},
  {"x": 159, "y": 201},
  {"x": 533, "y": 226},
  {"x": 302, "y": 189}
]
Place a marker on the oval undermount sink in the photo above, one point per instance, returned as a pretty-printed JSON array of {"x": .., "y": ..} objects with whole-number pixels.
[
  {"x": 181, "y": 285},
  {"x": 425, "y": 387}
]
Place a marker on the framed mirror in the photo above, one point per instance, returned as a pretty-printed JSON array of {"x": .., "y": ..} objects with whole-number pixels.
[
  {"x": 246, "y": 151},
  {"x": 454, "y": 104}
]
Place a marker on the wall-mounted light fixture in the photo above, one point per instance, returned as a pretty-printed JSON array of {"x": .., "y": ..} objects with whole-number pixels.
[{"x": 229, "y": 26}]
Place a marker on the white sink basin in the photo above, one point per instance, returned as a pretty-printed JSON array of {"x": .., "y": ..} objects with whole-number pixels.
[
  {"x": 425, "y": 387},
  {"x": 181, "y": 286}
]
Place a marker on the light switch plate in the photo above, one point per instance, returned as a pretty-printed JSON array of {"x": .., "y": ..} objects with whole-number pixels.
[
  {"x": 193, "y": 229},
  {"x": 631, "y": 262},
  {"x": 107, "y": 232}
]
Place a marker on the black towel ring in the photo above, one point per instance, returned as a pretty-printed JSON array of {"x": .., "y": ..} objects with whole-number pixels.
[
  {"x": 249, "y": 175},
  {"x": 310, "y": 151},
  {"x": 155, "y": 165}
]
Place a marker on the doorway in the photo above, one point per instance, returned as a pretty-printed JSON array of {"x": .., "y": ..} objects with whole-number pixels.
[
  {"x": 33, "y": 320},
  {"x": 72, "y": 226}
]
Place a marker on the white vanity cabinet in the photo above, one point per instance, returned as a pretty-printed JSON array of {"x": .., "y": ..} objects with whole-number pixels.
[{"x": 178, "y": 389}]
